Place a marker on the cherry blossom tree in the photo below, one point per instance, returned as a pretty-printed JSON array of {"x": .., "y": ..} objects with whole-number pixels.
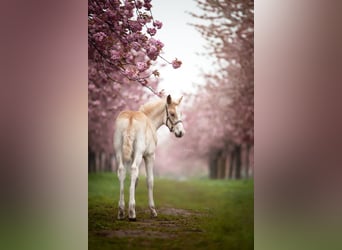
[
  {"x": 220, "y": 119},
  {"x": 229, "y": 30},
  {"x": 122, "y": 60},
  {"x": 230, "y": 36}
]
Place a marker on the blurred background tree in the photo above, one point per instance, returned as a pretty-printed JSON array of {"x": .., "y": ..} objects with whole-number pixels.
[
  {"x": 220, "y": 119},
  {"x": 229, "y": 93}
]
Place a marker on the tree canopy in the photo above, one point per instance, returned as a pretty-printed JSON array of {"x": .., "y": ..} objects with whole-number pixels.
[{"x": 122, "y": 53}]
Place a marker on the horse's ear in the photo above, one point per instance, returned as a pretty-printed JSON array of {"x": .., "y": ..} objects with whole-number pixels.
[
  {"x": 180, "y": 99},
  {"x": 168, "y": 99}
]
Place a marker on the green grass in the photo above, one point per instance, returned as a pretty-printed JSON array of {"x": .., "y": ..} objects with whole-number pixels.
[{"x": 193, "y": 214}]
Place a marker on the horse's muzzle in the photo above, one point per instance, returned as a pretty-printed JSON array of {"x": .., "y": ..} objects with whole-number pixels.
[{"x": 179, "y": 134}]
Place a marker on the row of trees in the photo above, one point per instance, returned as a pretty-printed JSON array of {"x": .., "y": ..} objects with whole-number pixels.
[
  {"x": 220, "y": 119},
  {"x": 122, "y": 57},
  {"x": 225, "y": 109}
]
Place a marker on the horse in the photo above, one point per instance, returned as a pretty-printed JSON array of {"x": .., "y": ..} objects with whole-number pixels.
[{"x": 135, "y": 138}]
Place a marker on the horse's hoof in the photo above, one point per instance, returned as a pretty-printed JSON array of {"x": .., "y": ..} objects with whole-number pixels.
[
  {"x": 132, "y": 219},
  {"x": 121, "y": 216},
  {"x": 154, "y": 214}
]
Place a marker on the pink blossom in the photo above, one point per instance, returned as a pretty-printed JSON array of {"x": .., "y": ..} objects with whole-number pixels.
[
  {"x": 128, "y": 13},
  {"x": 129, "y": 57},
  {"x": 92, "y": 71},
  {"x": 156, "y": 43},
  {"x": 130, "y": 37},
  {"x": 102, "y": 74},
  {"x": 131, "y": 73},
  {"x": 142, "y": 20},
  {"x": 152, "y": 52},
  {"x": 157, "y": 24},
  {"x": 139, "y": 4},
  {"x": 115, "y": 55},
  {"x": 159, "y": 44},
  {"x": 176, "y": 63},
  {"x": 135, "y": 26},
  {"x": 147, "y": 5},
  {"x": 96, "y": 103},
  {"x": 142, "y": 66},
  {"x": 129, "y": 5},
  {"x": 136, "y": 46},
  {"x": 99, "y": 36},
  {"x": 151, "y": 31}
]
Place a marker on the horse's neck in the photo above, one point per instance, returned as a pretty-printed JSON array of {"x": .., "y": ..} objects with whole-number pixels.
[
  {"x": 157, "y": 117},
  {"x": 156, "y": 114}
]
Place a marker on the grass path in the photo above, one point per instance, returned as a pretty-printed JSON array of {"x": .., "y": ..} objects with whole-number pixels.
[{"x": 194, "y": 214}]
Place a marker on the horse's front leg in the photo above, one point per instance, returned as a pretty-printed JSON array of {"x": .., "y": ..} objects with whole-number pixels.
[
  {"x": 134, "y": 178},
  {"x": 149, "y": 161}
]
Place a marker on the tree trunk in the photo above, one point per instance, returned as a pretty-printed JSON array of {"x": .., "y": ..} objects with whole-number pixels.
[
  {"x": 251, "y": 155},
  {"x": 231, "y": 165},
  {"x": 109, "y": 163},
  {"x": 216, "y": 165},
  {"x": 223, "y": 165},
  {"x": 247, "y": 160},
  {"x": 212, "y": 165},
  {"x": 97, "y": 162},
  {"x": 219, "y": 166},
  {"x": 102, "y": 161},
  {"x": 215, "y": 172},
  {"x": 91, "y": 160},
  {"x": 226, "y": 165},
  {"x": 238, "y": 162},
  {"x": 112, "y": 163}
]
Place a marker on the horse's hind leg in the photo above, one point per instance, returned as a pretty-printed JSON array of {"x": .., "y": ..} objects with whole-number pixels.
[
  {"x": 134, "y": 181},
  {"x": 121, "y": 176},
  {"x": 149, "y": 160}
]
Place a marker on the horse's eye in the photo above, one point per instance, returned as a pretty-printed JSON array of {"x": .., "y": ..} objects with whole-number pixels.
[{"x": 172, "y": 114}]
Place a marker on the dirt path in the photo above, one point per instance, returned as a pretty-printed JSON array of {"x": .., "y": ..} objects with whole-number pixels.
[{"x": 169, "y": 224}]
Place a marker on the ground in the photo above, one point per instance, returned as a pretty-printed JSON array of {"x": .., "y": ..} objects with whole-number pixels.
[{"x": 192, "y": 214}]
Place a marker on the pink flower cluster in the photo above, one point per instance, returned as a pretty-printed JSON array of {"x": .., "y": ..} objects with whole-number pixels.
[
  {"x": 99, "y": 36},
  {"x": 153, "y": 49},
  {"x": 157, "y": 24},
  {"x": 117, "y": 39},
  {"x": 147, "y": 4},
  {"x": 142, "y": 66},
  {"x": 151, "y": 31},
  {"x": 176, "y": 63},
  {"x": 115, "y": 55}
]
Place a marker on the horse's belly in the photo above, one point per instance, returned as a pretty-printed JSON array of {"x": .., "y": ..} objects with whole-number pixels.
[
  {"x": 150, "y": 148},
  {"x": 151, "y": 144}
]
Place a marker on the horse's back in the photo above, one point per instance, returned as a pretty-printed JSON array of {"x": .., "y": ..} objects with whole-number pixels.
[
  {"x": 130, "y": 132},
  {"x": 130, "y": 120},
  {"x": 129, "y": 114}
]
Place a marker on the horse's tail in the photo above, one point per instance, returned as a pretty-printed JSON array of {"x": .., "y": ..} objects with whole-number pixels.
[{"x": 128, "y": 138}]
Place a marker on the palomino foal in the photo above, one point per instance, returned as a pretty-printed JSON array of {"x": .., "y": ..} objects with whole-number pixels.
[{"x": 135, "y": 138}]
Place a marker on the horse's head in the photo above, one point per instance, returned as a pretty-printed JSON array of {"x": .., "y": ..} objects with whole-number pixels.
[{"x": 174, "y": 116}]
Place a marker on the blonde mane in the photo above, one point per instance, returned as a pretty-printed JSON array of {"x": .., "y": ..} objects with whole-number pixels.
[{"x": 151, "y": 106}]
